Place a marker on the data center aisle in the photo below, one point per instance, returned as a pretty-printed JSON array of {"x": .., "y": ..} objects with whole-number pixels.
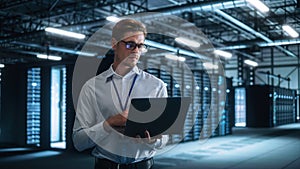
[{"x": 276, "y": 148}]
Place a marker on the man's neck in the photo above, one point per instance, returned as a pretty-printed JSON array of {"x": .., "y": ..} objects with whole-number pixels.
[{"x": 120, "y": 69}]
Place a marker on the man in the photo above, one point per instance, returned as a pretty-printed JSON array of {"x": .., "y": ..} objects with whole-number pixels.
[{"x": 103, "y": 103}]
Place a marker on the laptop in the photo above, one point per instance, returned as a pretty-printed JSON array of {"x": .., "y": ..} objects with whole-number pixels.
[{"x": 157, "y": 115}]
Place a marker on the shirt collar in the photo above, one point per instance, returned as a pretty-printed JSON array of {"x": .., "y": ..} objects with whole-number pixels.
[{"x": 110, "y": 73}]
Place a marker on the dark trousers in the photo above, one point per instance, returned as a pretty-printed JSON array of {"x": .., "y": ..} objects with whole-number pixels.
[{"x": 107, "y": 164}]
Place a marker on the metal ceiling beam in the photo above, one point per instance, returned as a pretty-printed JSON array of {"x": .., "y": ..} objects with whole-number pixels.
[
  {"x": 201, "y": 6},
  {"x": 217, "y": 6},
  {"x": 41, "y": 18},
  {"x": 195, "y": 7},
  {"x": 261, "y": 44},
  {"x": 52, "y": 48},
  {"x": 254, "y": 32},
  {"x": 11, "y": 4},
  {"x": 176, "y": 10}
]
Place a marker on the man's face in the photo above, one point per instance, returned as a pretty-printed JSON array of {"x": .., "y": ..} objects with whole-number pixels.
[{"x": 128, "y": 57}]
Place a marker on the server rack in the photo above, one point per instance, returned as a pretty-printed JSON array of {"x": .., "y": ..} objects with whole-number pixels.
[
  {"x": 240, "y": 106},
  {"x": 197, "y": 109},
  {"x": 208, "y": 115},
  {"x": 269, "y": 106},
  {"x": 284, "y": 106},
  {"x": 187, "y": 84},
  {"x": 228, "y": 112},
  {"x": 33, "y": 121}
]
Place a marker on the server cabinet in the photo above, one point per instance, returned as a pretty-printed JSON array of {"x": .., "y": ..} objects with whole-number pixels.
[
  {"x": 269, "y": 106},
  {"x": 209, "y": 114},
  {"x": 259, "y": 106}
]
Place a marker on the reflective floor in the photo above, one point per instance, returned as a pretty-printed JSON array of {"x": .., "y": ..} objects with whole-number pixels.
[
  {"x": 246, "y": 148},
  {"x": 266, "y": 148}
]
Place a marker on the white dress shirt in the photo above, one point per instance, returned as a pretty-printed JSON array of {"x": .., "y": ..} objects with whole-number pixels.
[{"x": 98, "y": 100}]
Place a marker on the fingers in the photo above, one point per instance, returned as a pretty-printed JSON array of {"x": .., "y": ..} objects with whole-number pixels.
[
  {"x": 125, "y": 114},
  {"x": 149, "y": 139},
  {"x": 147, "y": 135},
  {"x": 118, "y": 120},
  {"x": 146, "y": 139},
  {"x": 138, "y": 139}
]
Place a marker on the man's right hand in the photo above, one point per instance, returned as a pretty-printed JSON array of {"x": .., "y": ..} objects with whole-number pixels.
[{"x": 116, "y": 120}]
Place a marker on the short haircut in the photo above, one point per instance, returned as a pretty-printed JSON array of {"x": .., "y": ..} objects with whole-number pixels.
[{"x": 127, "y": 25}]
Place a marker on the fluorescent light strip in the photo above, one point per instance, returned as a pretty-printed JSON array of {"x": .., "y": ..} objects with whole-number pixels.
[
  {"x": 50, "y": 57},
  {"x": 174, "y": 57},
  {"x": 2, "y": 65},
  {"x": 288, "y": 29},
  {"x": 232, "y": 47},
  {"x": 113, "y": 19},
  {"x": 187, "y": 42},
  {"x": 225, "y": 54},
  {"x": 65, "y": 33},
  {"x": 182, "y": 59},
  {"x": 86, "y": 54},
  {"x": 56, "y": 58},
  {"x": 41, "y": 56},
  {"x": 259, "y": 5},
  {"x": 250, "y": 63},
  {"x": 172, "y": 49},
  {"x": 209, "y": 65}
]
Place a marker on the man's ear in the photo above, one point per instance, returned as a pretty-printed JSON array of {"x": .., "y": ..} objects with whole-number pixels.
[{"x": 113, "y": 43}]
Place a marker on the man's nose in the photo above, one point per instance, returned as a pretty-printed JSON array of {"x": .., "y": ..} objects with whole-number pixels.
[{"x": 136, "y": 49}]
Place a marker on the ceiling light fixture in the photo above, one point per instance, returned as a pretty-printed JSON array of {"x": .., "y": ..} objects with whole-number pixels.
[
  {"x": 173, "y": 49},
  {"x": 187, "y": 42},
  {"x": 86, "y": 54},
  {"x": 224, "y": 54},
  {"x": 174, "y": 57},
  {"x": 2, "y": 65},
  {"x": 250, "y": 63},
  {"x": 209, "y": 65},
  {"x": 50, "y": 57},
  {"x": 259, "y": 5},
  {"x": 182, "y": 59},
  {"x": 289, "y": 30},
  {"x": 113, "y": 19},
  {"x": 65, "y": 33}
]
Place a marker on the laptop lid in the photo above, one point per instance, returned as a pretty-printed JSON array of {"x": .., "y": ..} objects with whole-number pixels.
[{"x": 157, "y": 115}]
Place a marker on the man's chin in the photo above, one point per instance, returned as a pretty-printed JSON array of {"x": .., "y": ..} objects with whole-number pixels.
[
  {"x": 131, "y": 62},
  {"x": 130, "y": 65}
]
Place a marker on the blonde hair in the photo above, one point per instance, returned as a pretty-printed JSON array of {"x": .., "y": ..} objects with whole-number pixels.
[{"x": 127, "y": 25}]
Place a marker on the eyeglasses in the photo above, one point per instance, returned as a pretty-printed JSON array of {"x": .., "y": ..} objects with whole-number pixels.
[{"x": 132, "y": 45}]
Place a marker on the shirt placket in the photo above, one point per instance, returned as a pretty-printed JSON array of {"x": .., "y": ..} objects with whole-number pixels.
[{"x": 125, "y": 91}]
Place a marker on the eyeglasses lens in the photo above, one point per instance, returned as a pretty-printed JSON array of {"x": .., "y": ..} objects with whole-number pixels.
[{"x": 133, "y": 45}]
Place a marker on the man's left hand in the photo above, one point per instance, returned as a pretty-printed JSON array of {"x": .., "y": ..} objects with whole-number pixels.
[{"x": 148, "y": 139}]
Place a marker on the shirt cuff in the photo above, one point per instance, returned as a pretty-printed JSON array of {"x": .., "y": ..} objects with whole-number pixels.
[{"x": 98, "y": 133}]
